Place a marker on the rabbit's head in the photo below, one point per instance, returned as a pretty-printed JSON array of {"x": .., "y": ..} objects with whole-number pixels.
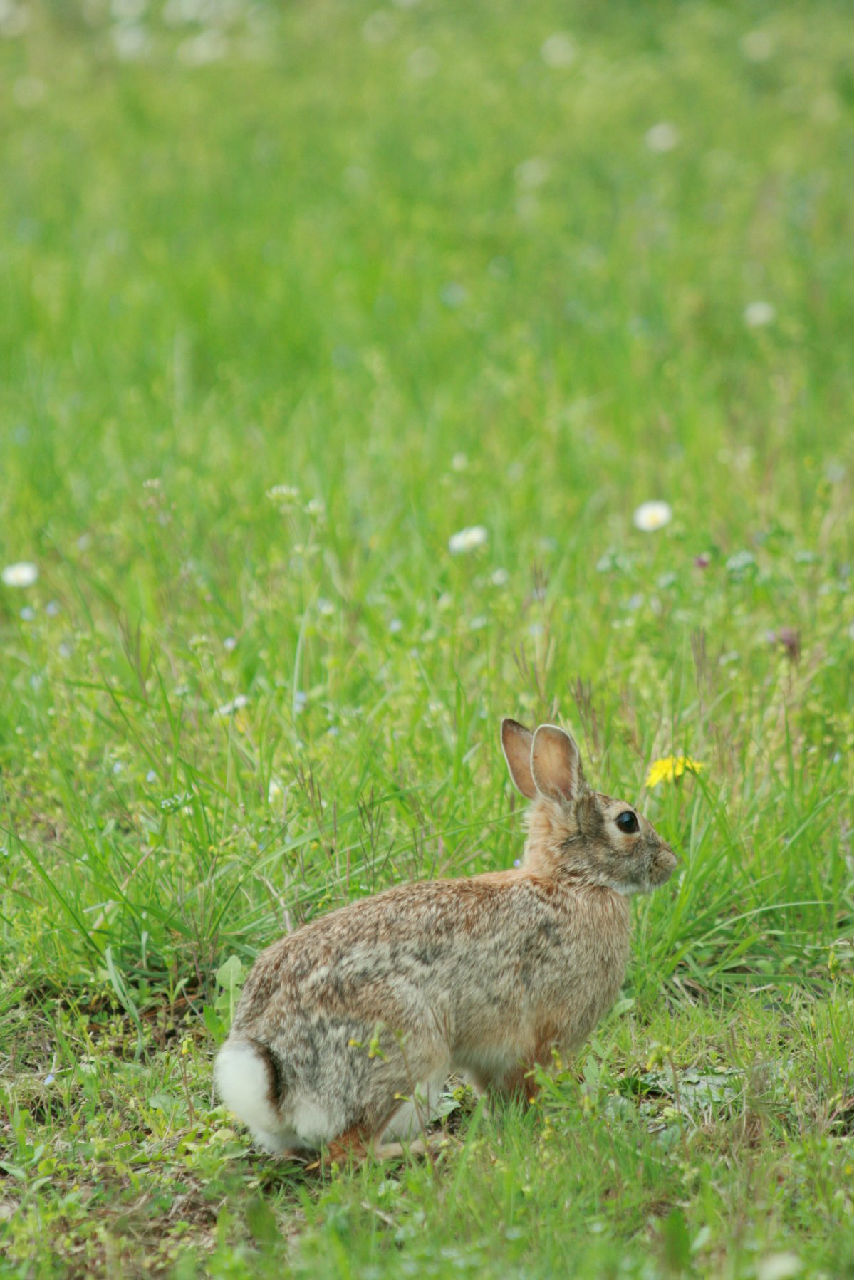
[{"x": 574, "y": 832}]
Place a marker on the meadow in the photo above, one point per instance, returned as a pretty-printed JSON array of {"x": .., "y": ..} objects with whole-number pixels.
[{"x": 340, "y": 344}]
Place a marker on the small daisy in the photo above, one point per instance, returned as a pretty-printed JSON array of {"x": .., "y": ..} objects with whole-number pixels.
[
  {"x": 759, "y": 314},
  {"x": 651, "y": 516},
  {"x": 21, "y": 574},
  {"x": 379, "y": 27},
  {"x": 741, "y": 562},
  {"x": 199, "y": 50},
  {"x": 283, "y": 493},
  {"x": 453, "y": 294},
  {"x": 468, "y": 539},
  {"x": 423, "y": 63},
  {"x": 757, "y": 46},
  {"x": 532, "y": 173},
  {"x": 130, "y": 41},
  {"x": 670, "y": 768},
  {"x": 229, "y": 708},
  {"x": 558, "y": 50},
  {"x": 662, "y": 137}
]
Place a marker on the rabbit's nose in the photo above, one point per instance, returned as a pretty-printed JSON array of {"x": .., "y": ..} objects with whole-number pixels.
[
  {"x": 670, "y": 858},
  {"x": 666, "y": 862}
]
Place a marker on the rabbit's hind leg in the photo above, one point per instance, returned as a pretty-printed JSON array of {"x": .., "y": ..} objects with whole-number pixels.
[{"x": 350, "y": 1147}]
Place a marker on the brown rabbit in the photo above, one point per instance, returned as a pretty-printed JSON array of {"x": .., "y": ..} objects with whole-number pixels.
[{"x": 348, "y": 1028}]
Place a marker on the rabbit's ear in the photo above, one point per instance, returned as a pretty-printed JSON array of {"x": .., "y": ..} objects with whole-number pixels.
[
  {"x": 556, "y": 764},
  {"x": 516, "y": 743}
]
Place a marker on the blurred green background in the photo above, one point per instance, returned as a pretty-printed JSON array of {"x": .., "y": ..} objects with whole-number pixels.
[
  {"x": 297, "y": 293},
  {"x": 340, "y": 343}
]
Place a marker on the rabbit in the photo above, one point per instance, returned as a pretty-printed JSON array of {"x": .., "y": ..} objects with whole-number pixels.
[{"x": 348, "y": 1028}]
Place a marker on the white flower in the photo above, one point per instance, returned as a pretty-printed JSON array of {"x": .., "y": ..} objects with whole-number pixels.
[
  {"x": 757, "y": 46},
  {"x": 130, "y": 41},
  {"x": 757, "y": 314},
  {"x": 453, "y": 294},
  {"x": 22, "y": 574},
  {"x": 468, "y": 539},
  {"x": 423, "y": 63},
  {"x": 558, "y": 50},
  {"x": 532, "y": 173},
  {"x": 740, "y": 562},
  {"x": 208, "y": 46},
  {"x": 650, "y": 516},
  {"x": 283, "y": 493},
  {"x": 229, "y": 708},
  {"x": 379, "y": 27},
  {"x": 662, "y": 137},
  {"x": 14, "y": 19}
]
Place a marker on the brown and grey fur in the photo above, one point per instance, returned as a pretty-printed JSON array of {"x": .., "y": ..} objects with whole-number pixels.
[{"x": 348, "y": 1028}]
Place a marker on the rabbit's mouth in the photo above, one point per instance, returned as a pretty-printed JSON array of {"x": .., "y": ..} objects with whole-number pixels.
[
  {"x": 664, "y": 864},
  {"x": 656, "y": 871}
]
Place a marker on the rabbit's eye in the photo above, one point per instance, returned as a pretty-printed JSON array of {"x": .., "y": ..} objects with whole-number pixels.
[{"x": 628, "y": 822}]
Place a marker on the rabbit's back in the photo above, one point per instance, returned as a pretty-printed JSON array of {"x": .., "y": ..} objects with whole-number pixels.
[{"x": 460, "y": 954}]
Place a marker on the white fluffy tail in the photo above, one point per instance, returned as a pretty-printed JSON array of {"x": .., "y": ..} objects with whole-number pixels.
[{"x": 245, "y": 1084}]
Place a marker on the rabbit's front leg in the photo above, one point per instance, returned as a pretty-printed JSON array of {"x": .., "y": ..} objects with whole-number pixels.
[{"x": 516, "y": 1085}]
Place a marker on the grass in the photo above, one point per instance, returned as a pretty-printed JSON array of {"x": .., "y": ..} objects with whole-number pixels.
[{"x": 291, "y": 296}]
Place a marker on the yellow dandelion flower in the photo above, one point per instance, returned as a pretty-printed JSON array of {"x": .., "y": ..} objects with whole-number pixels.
[{"x": 671, "y": 767}]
